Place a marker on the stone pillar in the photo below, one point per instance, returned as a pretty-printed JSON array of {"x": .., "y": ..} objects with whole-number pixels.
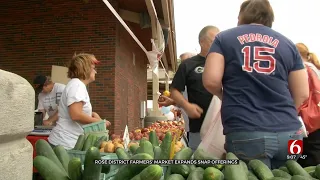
[{"x": 17, "y": 121}]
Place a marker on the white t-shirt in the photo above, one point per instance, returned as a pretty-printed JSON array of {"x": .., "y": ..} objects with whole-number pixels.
[
  {"x": 49, "y": 101},
  {"x": 66, "y": 131}
]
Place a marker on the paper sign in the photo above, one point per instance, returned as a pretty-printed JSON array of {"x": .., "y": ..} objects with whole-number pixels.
[{"x": 126, "y": 137}]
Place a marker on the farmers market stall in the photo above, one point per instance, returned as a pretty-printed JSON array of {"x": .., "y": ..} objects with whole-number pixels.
[
  {"x": 157, "y": 152},
  {"x": 152, "y": 158}
]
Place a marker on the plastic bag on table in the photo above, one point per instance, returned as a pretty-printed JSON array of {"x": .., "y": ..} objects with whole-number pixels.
[{"x": 211, "y": 131}]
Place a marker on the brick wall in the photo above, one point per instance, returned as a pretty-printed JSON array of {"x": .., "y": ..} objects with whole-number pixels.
[
  {"x": 37, "y": 34},
  {"x": 131, "y": 80}
]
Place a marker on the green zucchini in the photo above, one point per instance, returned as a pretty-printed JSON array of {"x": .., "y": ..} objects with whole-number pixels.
[
  {"x": 295, "y": 169},
  {"x": 234, "y": 172},
  {"x": 91, "y": 170},
  {"x": 48, "y": 169},
  {"x": 261, "y": 170},
  {"x": 80, "y": 143},
  {"x": 75, "y": 169},
  {"x": 122, "y": 154},
  {"x": 98, "y": 142},
  {"x": 44, "y": 149},
  {"x": 153, "y": 138},
  {"x": 280, "y": 173},
  {"x": 176, "y": 177},
  {"x": 89, "y": 142},
  {"x": 196, "y": 174},
  {"x": 62, "y": 155}
]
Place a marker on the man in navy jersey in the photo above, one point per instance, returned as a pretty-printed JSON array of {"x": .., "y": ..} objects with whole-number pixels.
[
  {"x": 189, "y": 74},
  {"x": 263, "y": 80}
]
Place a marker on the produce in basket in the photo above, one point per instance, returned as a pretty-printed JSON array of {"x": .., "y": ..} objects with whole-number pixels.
[
  {"x": 159, "y": 128},
  {"x": 111, "y": 146},
  {"x": 155, "y": 134},
  {"x": 102, "y": 142}
]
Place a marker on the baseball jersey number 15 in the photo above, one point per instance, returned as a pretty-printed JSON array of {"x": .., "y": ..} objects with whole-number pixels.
[{"x": 260, "y": 53}]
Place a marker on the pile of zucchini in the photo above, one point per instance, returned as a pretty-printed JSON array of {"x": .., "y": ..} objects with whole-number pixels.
[{"x": 55, "y": 164}]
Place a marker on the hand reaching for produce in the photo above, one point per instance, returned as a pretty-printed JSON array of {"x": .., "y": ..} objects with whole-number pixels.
[
  {"x": 193, "y": 110},
  {"x": 165, "y": 101},
  {"x": 166, "y": 93}
]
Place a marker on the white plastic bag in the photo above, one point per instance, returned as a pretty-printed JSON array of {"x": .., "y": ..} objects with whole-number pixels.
[
  {"x": 303, "y": 128},
  {"x": 211, "y": 131}
]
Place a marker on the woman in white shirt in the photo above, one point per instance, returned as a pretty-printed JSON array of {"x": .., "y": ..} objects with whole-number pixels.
[
  {"x": 75, "y": 108},
  {"x": 49, "y": 97}
]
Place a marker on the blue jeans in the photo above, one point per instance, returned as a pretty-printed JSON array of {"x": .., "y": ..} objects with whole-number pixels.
[{"x": 269, "y": 147}]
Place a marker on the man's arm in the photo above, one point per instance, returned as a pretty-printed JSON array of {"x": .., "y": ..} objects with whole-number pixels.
[{"x": 178, "y": 98}]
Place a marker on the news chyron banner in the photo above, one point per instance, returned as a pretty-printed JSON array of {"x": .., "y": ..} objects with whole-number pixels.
[{"x": 167, "y": 162}]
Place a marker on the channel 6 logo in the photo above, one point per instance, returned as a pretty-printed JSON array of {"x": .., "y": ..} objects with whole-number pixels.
[{"x": 295, "y": 147}]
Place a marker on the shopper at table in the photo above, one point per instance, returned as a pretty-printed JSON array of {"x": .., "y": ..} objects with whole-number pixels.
[
  {"x": 264, "y": 83},
  {"x": 48, "y": 98},
  {"x": 189, "y": 74},
  {"x": 75, "y": 108}
]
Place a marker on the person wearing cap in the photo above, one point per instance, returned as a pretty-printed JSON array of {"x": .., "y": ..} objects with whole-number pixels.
[
  {"x": 75, "y": 109},
  {"x": 48, "y": 98}
]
